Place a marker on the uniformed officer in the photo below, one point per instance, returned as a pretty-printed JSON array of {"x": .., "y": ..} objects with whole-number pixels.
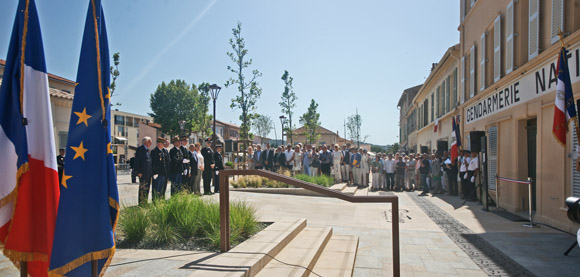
[
  {"x": 167, "y": 165},
  {"x": 176, "y": 168},
  {"x": 186, "y": 162},
  {"x": 60, "y": 163},
  {"x": 158, "y": 169},
  {"x": 143, "y": 169},
  {"x": 209, "y": 165},
  {"x": 219, "y": 165}
]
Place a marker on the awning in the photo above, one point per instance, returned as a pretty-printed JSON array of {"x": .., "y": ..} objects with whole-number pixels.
[{"x": 121, "y": 138}]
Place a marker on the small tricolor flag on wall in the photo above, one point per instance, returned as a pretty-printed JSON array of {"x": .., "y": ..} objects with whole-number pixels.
[
  {"x": 436, "y": 125},
  {"x": 29, "y": 189},
  {"x": 564, "y": 107}
]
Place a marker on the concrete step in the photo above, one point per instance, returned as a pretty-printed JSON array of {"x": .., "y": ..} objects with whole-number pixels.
[
  {"x": 250, "y": 256},
  {"x": 339, "y": 186},
  {"x": 362, "y": 192},
  {"x": 338, "y": 257},
  {"x": 350, "y": 190},
  {"x": 300, "y": 255}
]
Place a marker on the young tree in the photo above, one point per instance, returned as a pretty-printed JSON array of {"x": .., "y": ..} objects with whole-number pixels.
[
  {"x": 311, "y": 122},
  {"x": 171, "y": 103},
  {"x": 263, "y": 125},
  {"x": 353, "y": 125},
  {"x": 202, "y": 121},
  {"x": 248, "y": 87},
  {"x": 114, "y": 75},
  {"x": 288, "y": 102}
]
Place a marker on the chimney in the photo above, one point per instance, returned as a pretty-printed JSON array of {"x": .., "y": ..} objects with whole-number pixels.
[{"x": 433, "y": 65}]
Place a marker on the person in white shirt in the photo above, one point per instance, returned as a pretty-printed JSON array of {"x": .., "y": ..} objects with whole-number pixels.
[
  {"x": 464, "y": 161},
  {"x": 389, "y": 167},
  {"x": 472, "y": 171},
  {"x": 200, "y": 168},
  {"x": 289, "y": 153}
]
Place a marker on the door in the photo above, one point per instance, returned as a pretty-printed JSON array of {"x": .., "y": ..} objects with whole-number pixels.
[{"x": 532, "y": 129}]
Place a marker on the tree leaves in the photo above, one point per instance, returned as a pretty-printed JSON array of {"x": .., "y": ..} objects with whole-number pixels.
[
  {"x": 177, "y": 101},
  {"x": 311, "y": 122},
  {"x": 249, "y": 90},
  {"x": 288, "y": 101}
]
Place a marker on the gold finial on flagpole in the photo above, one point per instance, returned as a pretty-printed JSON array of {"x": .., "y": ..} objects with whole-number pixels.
[{"x": 561, "y": 35}]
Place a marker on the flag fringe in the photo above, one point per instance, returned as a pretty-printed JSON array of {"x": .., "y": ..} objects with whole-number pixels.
[
  {"x": 17, "y": 256},
  {"x": 93, "y": 256}
]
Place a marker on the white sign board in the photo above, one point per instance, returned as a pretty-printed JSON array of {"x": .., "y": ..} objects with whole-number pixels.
[{"x": 533, "y": 84}]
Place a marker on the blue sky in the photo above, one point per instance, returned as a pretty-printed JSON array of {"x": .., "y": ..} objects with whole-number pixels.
[{"x": 343, "y": 54}]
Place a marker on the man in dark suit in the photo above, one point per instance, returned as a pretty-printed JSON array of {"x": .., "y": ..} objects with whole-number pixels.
[
  {"x": 143, "y": 169},
  {"x": 268, "y": 158},
  {"x": 219, "y": 165},
  {"x": 192, "y": 169},
  {"x": 167, "y": 165},
  {"x": 176, "y": 168},
  {"x": 345, "y": 168},
  {"x": 186, "y": 159},
  {"x": 60, "y": 163},
  {"x": 209, "y": 164},
  {"x": 258, "y": 157},
  {"x": 158, "y": 169}
]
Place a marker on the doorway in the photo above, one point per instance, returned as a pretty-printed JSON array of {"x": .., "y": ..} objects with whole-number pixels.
[{"x": 532, "y": 130}]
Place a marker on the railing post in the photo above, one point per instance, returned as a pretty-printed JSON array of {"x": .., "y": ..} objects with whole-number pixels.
[
  {"x": 396, "y": 252},
  {"x": 224, "y": 212},
  {"x": 531, "y": 214}
]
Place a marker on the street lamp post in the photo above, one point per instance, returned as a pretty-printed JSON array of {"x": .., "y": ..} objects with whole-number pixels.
[
  {"x": 182, "y": 126},
  {"x": 214, "y": 91},
  {"x": 283, "y": 123}
]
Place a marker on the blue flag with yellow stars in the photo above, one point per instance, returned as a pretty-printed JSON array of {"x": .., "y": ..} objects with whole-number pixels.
[{"x": 89, "y": 201}]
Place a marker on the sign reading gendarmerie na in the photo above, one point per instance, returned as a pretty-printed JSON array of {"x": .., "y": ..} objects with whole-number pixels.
[{"x": 533, "y": 84}]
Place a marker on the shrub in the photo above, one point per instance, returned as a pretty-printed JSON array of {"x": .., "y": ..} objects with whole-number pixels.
[
  {"x": 230, "y": 163},
  {"x": 321, "y": 180},
  {"x": 182, "y": 218},
  {"x": 133, "y": 222}
]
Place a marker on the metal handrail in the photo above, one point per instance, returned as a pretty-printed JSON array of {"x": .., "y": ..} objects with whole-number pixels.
[
  {"x": 225, "y": 205},
  {"x": 529, "y": 182}
]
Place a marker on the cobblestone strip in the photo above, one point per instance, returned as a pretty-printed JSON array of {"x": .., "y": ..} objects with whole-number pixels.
[{"x": 490, "y": 259}]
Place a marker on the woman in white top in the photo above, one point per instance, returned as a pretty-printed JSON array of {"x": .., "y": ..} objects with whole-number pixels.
[
  {"x": 336, "y": 158},
  {"x": 297, "y": 168},
  {"x": 250, "y": 157}
]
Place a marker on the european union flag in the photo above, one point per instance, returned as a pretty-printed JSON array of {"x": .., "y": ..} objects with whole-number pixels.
[{"x": 89, "y": 201}]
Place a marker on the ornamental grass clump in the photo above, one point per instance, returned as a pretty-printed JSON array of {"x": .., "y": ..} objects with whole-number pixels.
[{"x": 182, "y": 222}]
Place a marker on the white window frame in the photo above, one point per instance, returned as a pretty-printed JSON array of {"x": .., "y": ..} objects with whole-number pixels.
[
  {"x": 497, "y": 49},
  {"x": 472, "y": 79},
  {"x": 482, "y": 63},
  {"x": 557, "y": 7},
  {"x": 509, "y": 41}
]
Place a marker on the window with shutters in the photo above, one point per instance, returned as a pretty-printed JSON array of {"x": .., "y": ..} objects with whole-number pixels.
[
  {"x": 482, "y": 62},
  {"x": 443, "y": 86},
  {"x": 557, "y": 19},
  {"x": 533, "y": 28},
  {"x": 454, "y": 97},
  {"x": 497, "y": 49},
  {"x": 62, "y": 137},
  {"x": 509, "y": 40},
  {"x": 438, "y": 103},
  {"x": 463, "y": 88},
  {"x": 462, "y": 7},
  {"x": 492, "y": 144},
  {"x": 575, "y": 174},
  {"x": 432, "y": 105},
  {"x": 447, "y": 92},
  {"x": 472, "y": 71}
]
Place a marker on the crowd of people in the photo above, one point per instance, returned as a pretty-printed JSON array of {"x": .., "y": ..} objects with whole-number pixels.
[
  {"x": 399, "y": 172},
  {"x": 185, "y": 166}
]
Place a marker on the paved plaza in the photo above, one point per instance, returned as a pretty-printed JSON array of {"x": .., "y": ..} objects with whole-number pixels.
[{"x": 438, "y": 236}]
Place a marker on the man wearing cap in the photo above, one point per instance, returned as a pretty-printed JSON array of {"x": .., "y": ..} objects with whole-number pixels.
[
  {"x": 193, "y": 169},
  {"x": 186, "y": 161},
  {"x": 143, "y": 169},
  {"x": 176, "y": 168},
  {"x": 167, "y": 165},
  {"x": 60, "y": 163},
  {"x": 209, "y": 164},
  {"x": 463, "y": 172},
  {"x": 158, "y": 169},
  {"x": 219, "y": 165}
]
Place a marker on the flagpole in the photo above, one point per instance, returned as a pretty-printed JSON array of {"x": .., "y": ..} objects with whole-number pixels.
[
  {"x": 23, "y": 269},
  {"x": 561, "y": 35}
]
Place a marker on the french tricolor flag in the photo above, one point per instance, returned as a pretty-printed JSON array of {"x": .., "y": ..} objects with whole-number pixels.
[{"x": 29, "y": 189}]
